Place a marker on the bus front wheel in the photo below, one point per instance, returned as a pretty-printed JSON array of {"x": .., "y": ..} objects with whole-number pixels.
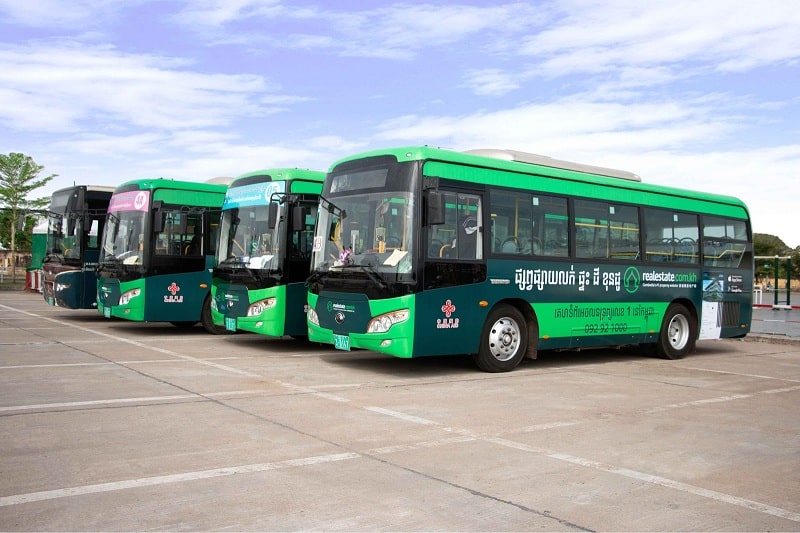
[
  {"x": 678, "y": 333},
  {"x": 504, "y": 340},
  {"x": 208, "y": 321}
]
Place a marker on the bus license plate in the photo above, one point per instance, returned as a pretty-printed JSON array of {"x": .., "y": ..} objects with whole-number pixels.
[
  {"x": 107, "y": 312},
  {"x": 341, "y": 342},
  {"x": 230, "y": 324}
]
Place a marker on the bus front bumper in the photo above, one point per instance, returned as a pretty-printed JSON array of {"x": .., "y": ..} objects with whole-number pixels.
[{"x": 400, "y": 346}]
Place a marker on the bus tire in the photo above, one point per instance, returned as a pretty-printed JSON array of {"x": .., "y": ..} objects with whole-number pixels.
[
  {"x": 678, "y": 333},
  {"x": 504, "y": 340},
  {"x": 208, "y": 321}
]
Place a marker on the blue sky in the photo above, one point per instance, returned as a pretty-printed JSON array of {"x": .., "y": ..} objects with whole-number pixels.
[{"x": 695, "y": 94}]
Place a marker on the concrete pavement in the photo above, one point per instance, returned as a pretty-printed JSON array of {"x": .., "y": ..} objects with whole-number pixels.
[
  {"x": 111, "y": 425},
  {"x": 776, "y": 323}
]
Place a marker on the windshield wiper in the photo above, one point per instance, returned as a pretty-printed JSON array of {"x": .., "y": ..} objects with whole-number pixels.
[
  {"x": 109, "y": 260},
  {"x": 314, "y": 277},
  {"x": 233, "y": 260},
  {"x": 371, "y": 273},
  {"x": 332, "y": 208}
]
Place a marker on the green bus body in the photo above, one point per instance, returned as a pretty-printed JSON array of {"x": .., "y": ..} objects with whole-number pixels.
[
  {"x": 75, "y": 222},
  {"x": 262, "y": 261},
  {"x": 158, "y": 249},
  {"x": 605, "y": 261}
]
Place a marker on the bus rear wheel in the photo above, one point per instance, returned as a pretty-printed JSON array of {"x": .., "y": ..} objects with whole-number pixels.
[
  {"x": 678, "y": 333},
  {"x": 504, "y": 340}
]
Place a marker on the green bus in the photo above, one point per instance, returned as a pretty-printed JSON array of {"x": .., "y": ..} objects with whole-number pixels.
[
  {"x": 264, "y": 253},
  {"x": 158, "y": 251},
  {"x": 75, "y": 222},
  {"x": 498, "y": 254}
]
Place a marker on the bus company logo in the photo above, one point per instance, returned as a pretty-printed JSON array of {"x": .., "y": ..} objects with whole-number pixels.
[
  {"x": 173, "y": 296},
  {"x": 448, "y": 322},
  {"x": 140, "y": 201},
  {"x": 448, "y": 308},
  {"x": 227, "y": 301},
  {"x": 632, "y": 279},
  {"x": 340, "y": 309}
]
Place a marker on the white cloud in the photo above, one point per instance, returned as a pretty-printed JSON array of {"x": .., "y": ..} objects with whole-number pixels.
[
  {"x": 595, "y": 35},
  {"x": 492, "y": 82},
  {"x": 58, "y": 13},
  {"x": 397, "y": 31},
  {"x": 217, "y": 13},
  {"x": 571, "y": 123},
  {"x": 192, "y": 155},
  {"x": 75, "y": 83}
]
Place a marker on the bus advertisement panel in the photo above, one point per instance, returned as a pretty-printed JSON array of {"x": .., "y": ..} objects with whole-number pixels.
[
  {"x": 75, "y": 223},
  {"x": 263, "y": 258},
  {"x": 158, "y": 249},
  {"x": 498, "y": 254}
]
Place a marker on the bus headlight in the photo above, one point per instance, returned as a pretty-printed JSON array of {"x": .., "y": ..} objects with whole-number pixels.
[
  {"x": 126, "y": 297},
  {"x": 382, "y": 323},
  {"x": 260, "y": 306},
  {"x": 312, "y": 316}
]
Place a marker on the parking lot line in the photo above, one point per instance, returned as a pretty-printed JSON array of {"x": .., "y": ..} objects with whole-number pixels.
[
  {"x": 137, "y": 344},
  {"x": 174, "y": 478}
]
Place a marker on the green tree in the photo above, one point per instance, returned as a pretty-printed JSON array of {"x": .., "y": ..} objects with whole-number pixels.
[
  {"x": 768, "y": 245},
  {"x": 19, "y": 176}
]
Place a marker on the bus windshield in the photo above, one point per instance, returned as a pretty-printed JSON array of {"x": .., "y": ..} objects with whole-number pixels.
[
  {"x": 123, "y": 238},
  {"x": 63, "y": 229},
  {"x": 63, "y": 236},
  {"x": 246, "y": 239},
  {"x": 369, "y": 231}
]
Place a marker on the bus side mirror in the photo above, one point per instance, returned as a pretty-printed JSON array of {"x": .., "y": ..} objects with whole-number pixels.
[
  {"x": 272, "y": 215},
  {"x": 298, "y": 218},
  {"x": 434, "y": 207}
]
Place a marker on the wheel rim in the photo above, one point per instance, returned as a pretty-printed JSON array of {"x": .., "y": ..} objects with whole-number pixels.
[
  {"x": 504, "y": 337},
  {"x": 678, "y": 332}
]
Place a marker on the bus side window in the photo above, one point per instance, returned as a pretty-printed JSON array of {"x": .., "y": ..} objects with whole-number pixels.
[
  {"x": 551, "y": 226},
  {"x": 591, "y": 229},
  {"x": 719, "y": 241},
  {"x": 670, "y": 236},
  {"x": 460, "y": 235}
]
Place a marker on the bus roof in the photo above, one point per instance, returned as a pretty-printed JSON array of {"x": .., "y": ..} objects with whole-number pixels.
[
  {"x": 220, "y": 180},
  {"x": 166, "y": 183},
  {"x": 534, "y": 164},
  {"x": 278, "y": 174},
  {"x": 547, "y": 161},
  {"x": 97, "y": 188}
]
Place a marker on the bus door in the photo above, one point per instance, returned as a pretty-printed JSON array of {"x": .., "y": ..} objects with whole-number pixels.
[{"x": 447, "y": 307}]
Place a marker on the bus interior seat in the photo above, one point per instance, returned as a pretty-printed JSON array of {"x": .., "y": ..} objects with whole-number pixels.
[{"x": 510, "y": 246}]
